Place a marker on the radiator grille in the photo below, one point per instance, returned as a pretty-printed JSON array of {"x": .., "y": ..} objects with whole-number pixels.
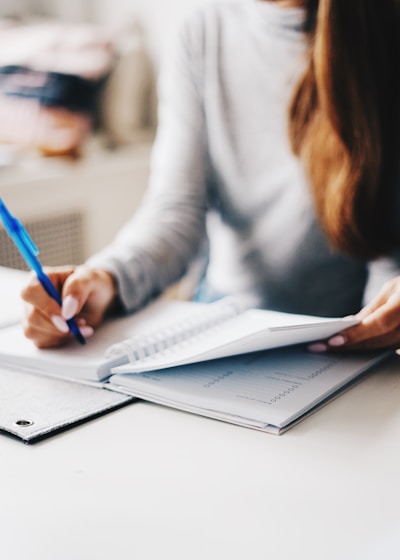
[{"x": 60, "y": 240}]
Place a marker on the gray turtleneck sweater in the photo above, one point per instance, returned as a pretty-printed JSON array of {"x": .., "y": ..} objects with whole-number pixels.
[{"x": 222, "y": 171}]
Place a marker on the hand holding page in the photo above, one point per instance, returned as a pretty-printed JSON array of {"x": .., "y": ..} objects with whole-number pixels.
[{"x": 224, "y": 328}]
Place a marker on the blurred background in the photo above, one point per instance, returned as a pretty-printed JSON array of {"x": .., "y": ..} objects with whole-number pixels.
[
  {"x": 159, "y": 18},
  {"x": 77, "y": 116}
]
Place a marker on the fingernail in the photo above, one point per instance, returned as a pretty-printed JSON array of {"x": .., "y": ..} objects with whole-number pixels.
[
  {"x": 86, "y": 330},
  {"x": 59, "y": 323},
  {"x": 317, "y": 347},
  {"x": 69, "y": 307},
  {"x": 337, "y": 340}
]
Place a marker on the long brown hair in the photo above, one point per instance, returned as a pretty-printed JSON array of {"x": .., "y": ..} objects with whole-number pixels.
[{"x": 344, "y": 120}]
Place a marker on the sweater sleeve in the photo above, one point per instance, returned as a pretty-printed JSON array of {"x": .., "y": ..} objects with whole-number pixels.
[
  {"x": 380, "y": 271},
  {"x": 155, "y": 247}
]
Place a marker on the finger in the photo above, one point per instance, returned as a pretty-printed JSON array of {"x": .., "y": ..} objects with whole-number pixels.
[
  {"x": 43, "y": 322},
  {"x": 389, "y": 290},
  {"x": 76, "y": 292},
  {"x": 86, "y": 330},
  {"x": 384, "y": 320},
  {"x": 384, "y": 342},
  {"x": 93, "y": 289},
  {"x": 41, "y": 330},
  {"x": 35, "y": 294},
  {"x": 375, "y": 304}
]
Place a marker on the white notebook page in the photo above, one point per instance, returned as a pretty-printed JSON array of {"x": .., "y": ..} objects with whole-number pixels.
[{"x": 11, "y": 304}]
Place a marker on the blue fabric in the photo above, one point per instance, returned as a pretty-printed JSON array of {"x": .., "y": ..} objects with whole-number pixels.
[{"x": 51, "y": 89}]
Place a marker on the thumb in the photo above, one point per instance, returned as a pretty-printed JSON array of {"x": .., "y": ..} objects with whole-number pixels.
[
  {"x": 76, "y": 292},
  {"x": 70, "y": 306},
  {"x": 87, "y": 290}
]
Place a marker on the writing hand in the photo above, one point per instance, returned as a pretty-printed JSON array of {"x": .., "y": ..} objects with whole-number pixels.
[{"x": 86, "y": 295}]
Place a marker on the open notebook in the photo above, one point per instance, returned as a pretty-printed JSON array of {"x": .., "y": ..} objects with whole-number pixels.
[
  {"x": 218, "y": 360},
  {"x": 269, "y": 391},
  {"x": 167, "y": 334}
]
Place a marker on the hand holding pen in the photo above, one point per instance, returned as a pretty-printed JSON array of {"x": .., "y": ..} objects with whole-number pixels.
[
  {"x": 87, "y": 294},
  {"x": 54, "y": 298},
  {"x": 29, "y": 252}
]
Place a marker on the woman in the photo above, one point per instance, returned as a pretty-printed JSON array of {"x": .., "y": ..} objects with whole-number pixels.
[{"x": 277, "y": 149}]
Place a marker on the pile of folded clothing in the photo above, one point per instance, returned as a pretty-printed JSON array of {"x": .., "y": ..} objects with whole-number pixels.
[{"x": 51, "y": 76}]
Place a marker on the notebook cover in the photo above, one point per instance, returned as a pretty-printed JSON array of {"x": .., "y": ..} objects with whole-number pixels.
[{"x": 33, "y": 407}]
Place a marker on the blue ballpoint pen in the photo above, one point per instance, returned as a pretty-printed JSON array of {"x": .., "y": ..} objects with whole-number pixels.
[{"x": 29, "y": 252}]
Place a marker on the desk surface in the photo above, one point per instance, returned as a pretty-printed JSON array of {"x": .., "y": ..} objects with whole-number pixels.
[{"x": 147, "y": 482}]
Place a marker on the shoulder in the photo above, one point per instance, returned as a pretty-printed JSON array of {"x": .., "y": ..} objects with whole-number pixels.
[
  {"x": 211, "y": 19},
  {"x": 218, "y": 10}
]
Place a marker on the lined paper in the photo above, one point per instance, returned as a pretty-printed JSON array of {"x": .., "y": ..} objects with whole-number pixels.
[{"x": 264, "y": 388}]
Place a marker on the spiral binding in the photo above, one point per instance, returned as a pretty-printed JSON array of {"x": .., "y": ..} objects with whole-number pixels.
[{"x": 145, "y": 346}]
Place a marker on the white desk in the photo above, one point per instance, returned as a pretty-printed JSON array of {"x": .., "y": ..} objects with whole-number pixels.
[{"x": 149, "y": 483}]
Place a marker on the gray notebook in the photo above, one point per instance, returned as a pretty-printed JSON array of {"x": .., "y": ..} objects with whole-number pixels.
[{"x": 33, "y": 407}]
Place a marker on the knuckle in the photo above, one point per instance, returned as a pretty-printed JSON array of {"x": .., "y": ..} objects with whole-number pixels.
[
  {"x": 39, "y": 339},
  {"x": 25, "y": 293},
  {"x": 29, "y": 291},
  {"x": 387, "y": 284},
  {"x": 74, "y": 283},
  {"x": 382, "y": 320},
  {"x": 384, "y": 323},
  {"x": 389, "y": 320},
  {"x": 30, "y": 313},
  {"x": 391, "y": 283},
  {"x": 42, "y": 343},
  {"x": 29, "y": 330}
]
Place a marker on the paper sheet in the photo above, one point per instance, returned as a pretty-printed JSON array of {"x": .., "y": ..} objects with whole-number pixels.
[{"x": 272, "y": 387}]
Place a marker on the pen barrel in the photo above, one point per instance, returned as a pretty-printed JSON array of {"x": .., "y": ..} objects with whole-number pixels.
[
  {"x": 53, "y": 293},
  {"x": 49, "y": 287},
  {"x": 74, "y": 329}
]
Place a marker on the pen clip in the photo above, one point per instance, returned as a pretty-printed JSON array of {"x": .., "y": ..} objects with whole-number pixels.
[{"x": 17, "y": 231}]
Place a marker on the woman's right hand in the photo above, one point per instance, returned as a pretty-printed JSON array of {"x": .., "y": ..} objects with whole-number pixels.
[{"x": 87, "y": 294}]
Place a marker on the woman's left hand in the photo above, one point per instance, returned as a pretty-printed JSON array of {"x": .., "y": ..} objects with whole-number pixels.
[{"x": 379, "y": 325}]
